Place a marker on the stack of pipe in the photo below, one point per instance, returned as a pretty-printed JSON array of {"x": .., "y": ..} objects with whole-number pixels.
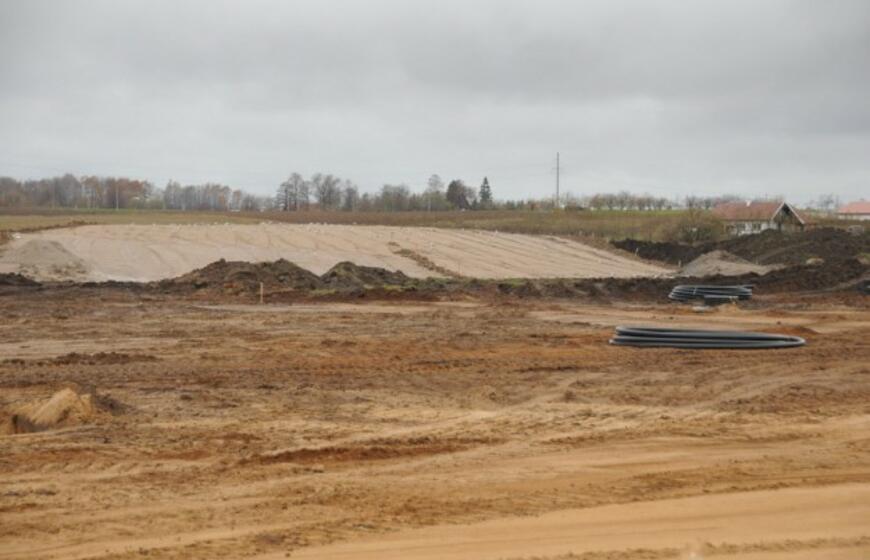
[
  {"x": 711, "y": 295},
  {"x": 700, "y": 339}
]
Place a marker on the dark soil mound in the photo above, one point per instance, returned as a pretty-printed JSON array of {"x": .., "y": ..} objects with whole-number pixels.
[
  {"x": 842, "y": 274},
  {"x": 15, "y": 279},
  {"x": 347, "y": 275},
  {"x": 599, "y": 288},
  {"x": 673, "y": 253},
  {"x": 832, "y": 274},
  {"x": 774, "y": 247},
  {"x": 768, "y": 247},
  {"x": 239, "y": 277}
]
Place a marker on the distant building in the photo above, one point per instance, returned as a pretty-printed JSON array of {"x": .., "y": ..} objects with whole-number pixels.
[
  {"x": 743, "y": 218},
  {"x": 859, "y": 210}
]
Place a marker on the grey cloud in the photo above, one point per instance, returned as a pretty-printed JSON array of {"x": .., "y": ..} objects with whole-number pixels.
[{"x": 671, "y": 97}]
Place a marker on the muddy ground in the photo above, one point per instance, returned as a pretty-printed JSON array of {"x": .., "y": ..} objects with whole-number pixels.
[{"x": 482, "y": 428}]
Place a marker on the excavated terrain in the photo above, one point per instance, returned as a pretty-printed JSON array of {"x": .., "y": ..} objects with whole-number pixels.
[
  {"x": 198, "y": 424},
  {"x": 766, "y": 248}
]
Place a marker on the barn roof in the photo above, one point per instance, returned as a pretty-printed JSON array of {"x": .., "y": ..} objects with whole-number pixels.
[
  {"x": 752, "y": 211},
  {"x": 857, "y": 207}
]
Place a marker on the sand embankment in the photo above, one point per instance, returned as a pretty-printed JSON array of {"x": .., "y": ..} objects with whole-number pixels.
[{"x": 145, "y": 253}]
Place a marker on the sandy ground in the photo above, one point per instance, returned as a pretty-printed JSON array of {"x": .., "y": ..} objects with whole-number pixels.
[
  {"x": 145, "y": 253},
  {"x": 503, "y": 429}
]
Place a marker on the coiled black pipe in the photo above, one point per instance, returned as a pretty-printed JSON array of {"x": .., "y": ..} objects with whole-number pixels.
[
  {"x": 711, "y": 294},
  {"x": 701, "y": 339}
]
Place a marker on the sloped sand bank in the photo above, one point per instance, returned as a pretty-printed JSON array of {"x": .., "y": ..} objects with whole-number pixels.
[{"x": 146, "y": 253}]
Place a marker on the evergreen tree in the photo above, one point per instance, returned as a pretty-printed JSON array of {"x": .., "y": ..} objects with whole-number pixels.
[{"x": 485, "y": 194}]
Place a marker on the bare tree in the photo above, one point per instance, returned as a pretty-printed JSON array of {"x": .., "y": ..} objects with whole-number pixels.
[
  {"x": 349, "y": 196},
  {"x": 434, "y": 193}
]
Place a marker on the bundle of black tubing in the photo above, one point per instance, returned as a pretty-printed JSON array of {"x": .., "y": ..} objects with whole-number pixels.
[
  {"x": 692, "y": 338},
  {"x": 711, "y": 294}
]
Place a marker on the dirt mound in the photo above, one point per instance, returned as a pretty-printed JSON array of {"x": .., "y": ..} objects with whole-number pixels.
[
  {"x": 766, "y": 248},
  {"x": 47, "y": 260},
  {"x": 347, "y": 275},
  {"x": 771, "y": 247},
  {"x": 242, "y": 277},
  {"x": 836, "y": 275},
  {"x": 15, "y": 279},
  {"x": 831, "y": 275},
  {"x": 673, "y": 253},
  {"x": 67, "y": 407},
  {"x": 723, "y": 263}
]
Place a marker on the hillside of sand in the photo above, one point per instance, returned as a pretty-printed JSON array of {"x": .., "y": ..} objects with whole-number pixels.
[{"x": 146, "y": 253}]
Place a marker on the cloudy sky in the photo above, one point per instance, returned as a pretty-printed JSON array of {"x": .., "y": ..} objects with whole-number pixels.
[{"x": 666, "y": 97}]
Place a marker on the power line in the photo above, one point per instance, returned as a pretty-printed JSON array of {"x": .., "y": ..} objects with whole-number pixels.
[{"x": 557, "y": 179}]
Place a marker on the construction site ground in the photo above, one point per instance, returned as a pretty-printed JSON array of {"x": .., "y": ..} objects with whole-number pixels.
[{"x": 484, "y": 428}]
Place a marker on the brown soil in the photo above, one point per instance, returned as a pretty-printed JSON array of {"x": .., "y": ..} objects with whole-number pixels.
[
  {"x": 769, "y": 247},
  {"x": 495, "y": 426},
  {"x": 16, "y": 279},
  {"x": 285, "y": 282},
  {"x": 244, "y": 277},
  {"x": 70, "y": 406},
  {"x": 347, "y": 275}
]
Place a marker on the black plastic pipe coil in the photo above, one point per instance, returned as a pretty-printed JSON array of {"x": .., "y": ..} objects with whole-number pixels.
[
  {"x": 692, "y": 338},
  {"x": 711, "y": 294}
]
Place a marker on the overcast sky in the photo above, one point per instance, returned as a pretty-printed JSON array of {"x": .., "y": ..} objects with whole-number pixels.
[{"x": 669, "y": 97}]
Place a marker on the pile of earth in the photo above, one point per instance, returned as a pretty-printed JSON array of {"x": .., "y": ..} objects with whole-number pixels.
[
  {"x": 71, "y": 406},
  {"x": 347, "y": 275},
  {"x": 245, "y": 277},
  {"x": 844, "y": 274},
  {"x": 14, "y": 283},
  {"x": 672, "y": 253},
  {"x": 238, "y": 277},
  {"x": 772, "y": 247},
  {"x": 15, "y": 279},
  {"x": 49, "y": 259},
  {"x": 722, "y": 263},
  {"x": 768, "y": 247},
  {"x": 286, "y": 282},
  {"x": 838, "y": 275}
]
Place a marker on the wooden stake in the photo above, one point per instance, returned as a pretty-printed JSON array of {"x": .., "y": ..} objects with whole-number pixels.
[{"x": 261, "y": 293}]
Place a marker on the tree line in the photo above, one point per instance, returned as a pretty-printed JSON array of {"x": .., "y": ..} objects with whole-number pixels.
[
  {"x": 68, "y": 191},
  {"x": 319, "y": 191},
  {"x": 328, "y": 192}
]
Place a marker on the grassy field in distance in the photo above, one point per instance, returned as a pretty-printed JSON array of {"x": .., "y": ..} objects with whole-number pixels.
[
  {"x": 606, "y": 224},
  {"x": 603, "y": 224}
]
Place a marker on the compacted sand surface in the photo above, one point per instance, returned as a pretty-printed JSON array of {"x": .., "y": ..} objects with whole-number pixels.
[
  {"x": 423, "y": 430},
  {"x": 145, "y": 253}
]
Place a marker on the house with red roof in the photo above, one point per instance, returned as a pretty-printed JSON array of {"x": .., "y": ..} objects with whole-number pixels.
[
  {"x": 746, "y": 217},
  {"x": 858, "y": 210}
]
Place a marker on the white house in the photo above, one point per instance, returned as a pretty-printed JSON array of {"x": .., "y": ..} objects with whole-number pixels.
[
  {"x": 743, "y": 218},
  {"x": 858, "y": 210}
]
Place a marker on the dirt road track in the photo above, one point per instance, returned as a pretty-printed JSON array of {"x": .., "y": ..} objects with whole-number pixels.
[{"x": 823, "y": 520}]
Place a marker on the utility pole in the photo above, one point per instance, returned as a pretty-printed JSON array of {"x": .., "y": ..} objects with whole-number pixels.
[{"x": 557, "y": 181}]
